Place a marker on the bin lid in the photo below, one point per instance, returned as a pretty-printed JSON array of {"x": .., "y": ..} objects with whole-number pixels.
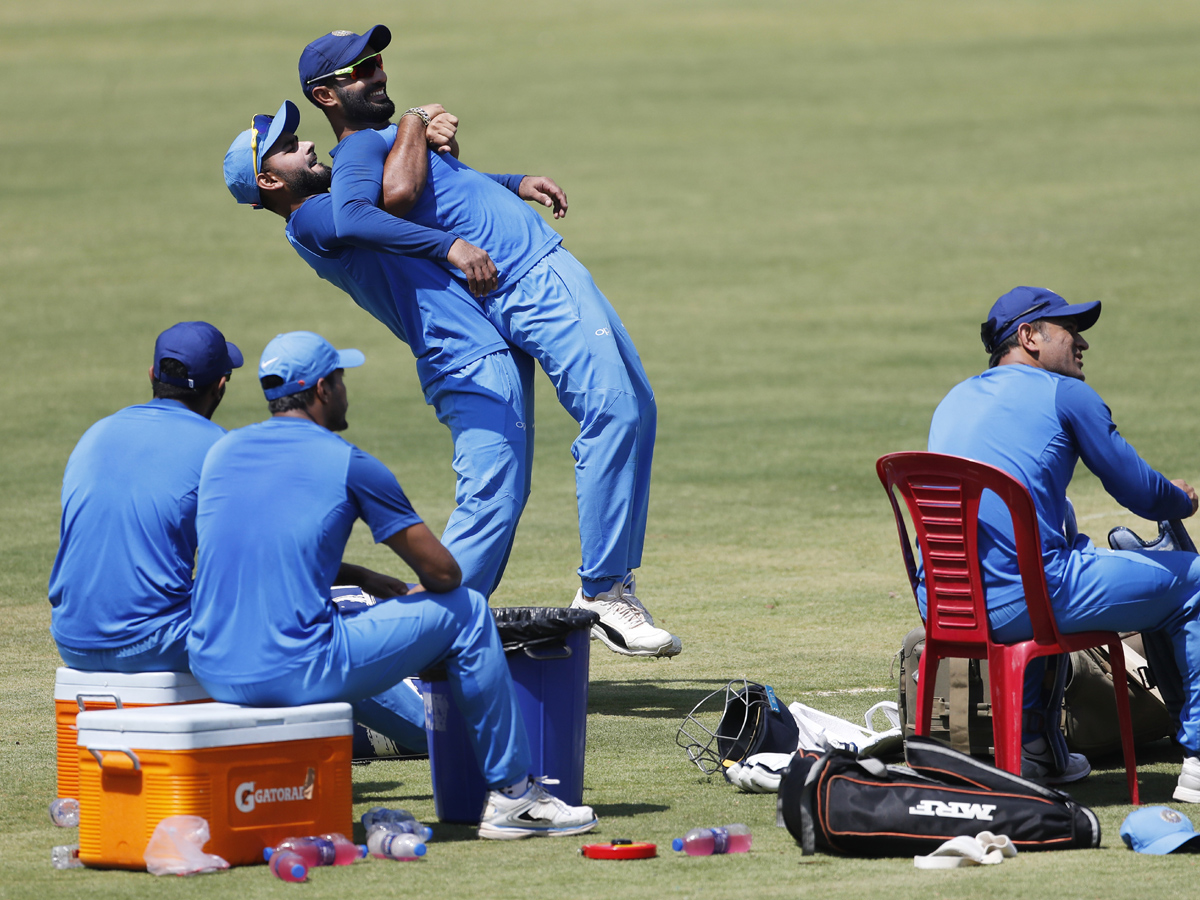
[
  {"x": 130, "y": 687},
  {"x": 523, "y": 626},
  {"x": 211, "y": 725}
]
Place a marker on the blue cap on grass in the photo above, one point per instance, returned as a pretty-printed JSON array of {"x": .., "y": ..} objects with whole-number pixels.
[
  {"x": 1159, "y": 830},
  {"x": 301, "y": 359}
]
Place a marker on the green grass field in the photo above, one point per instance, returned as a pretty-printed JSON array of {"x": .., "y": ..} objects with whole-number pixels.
[{"x": 802, "y": 211}]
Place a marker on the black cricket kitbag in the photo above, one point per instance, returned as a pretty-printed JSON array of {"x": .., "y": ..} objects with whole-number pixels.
[{"x": 861, "y": 807}]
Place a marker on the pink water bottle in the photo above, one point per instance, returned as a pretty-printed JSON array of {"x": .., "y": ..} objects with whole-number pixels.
[
  {"x": 711, "y": 841},
  {"x": 323, "y": 850},
  {"x": 288, "y": 866}
]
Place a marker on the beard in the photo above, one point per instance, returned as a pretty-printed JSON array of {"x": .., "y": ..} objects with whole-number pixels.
[
  {"x": 357, "y": 108},
  {"x": 306, "y": 182}
]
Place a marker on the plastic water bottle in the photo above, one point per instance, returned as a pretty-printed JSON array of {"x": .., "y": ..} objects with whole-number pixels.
[
  {"x": 64, "y": 812},
  {"x": 288, "y": 866},
  {"x": 65, "y": 857},
  {"x": 402, "y": 819},
  {"x": 323, "y": 850},
  {"x": 711, "y": 841},
  {"x": 387, "y": 844}
]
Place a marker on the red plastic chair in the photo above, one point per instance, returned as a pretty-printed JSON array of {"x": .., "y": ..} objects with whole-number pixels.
[{"x": 942, "y": 493}]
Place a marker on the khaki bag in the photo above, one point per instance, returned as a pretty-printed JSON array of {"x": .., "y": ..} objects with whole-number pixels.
[{"x": 962, "y": 710}]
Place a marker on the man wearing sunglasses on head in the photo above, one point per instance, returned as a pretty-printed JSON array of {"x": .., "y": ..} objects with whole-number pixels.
[
  {"x": 1031, "y": 414},
  {"x": 475, "y": 382},
  {"x": 538, "y": 296}
]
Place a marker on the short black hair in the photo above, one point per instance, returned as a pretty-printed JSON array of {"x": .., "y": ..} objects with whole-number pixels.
[
  {"x": 1012, "y": 341},
  {"x": 174, "y": 369},
  {"x": 299, "y": 400}
]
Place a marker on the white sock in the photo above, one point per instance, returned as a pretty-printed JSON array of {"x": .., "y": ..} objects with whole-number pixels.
[{"x": 516, "y": 789}]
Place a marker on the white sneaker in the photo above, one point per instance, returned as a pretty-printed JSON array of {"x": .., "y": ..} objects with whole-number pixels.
[
  {"x": 1039, "y": 766},
  {"x": 1187, "y": 788},
  {"x": 536, "y": 813},
  {"x": 625, "y": 625}
]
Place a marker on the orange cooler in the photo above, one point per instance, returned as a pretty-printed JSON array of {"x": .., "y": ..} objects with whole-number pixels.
[
  {"x": 76, "y": 691},
  {"x": 257, "y": 775}
]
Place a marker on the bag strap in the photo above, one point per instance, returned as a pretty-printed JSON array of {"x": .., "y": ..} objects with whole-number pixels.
[
  {"x": 935, "y": 760},
  {"x": 959, "y": 670}
]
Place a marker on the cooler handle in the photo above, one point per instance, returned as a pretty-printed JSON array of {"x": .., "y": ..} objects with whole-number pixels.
[
  {"x": 97, "y": 751},
  {"x": 563, "y": 652},
  {"x": 82, "y": 699}
]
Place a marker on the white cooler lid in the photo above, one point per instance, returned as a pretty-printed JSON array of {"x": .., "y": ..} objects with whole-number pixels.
[
  {"x": 140, "y": 687},
  {"x": 201, "y": 725}
]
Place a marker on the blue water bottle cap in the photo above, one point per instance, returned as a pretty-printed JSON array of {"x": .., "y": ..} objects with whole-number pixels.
[
  {"x": 267, "y": 851},
  {"x": 298, "y": 871},
  {"x": 677, "y": 844},
  {"x": 419, "y": 850},
  {"x": 362, "y": 851}
]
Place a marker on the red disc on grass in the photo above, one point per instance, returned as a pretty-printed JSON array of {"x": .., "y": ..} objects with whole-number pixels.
[{"x": 620, "y": 850}]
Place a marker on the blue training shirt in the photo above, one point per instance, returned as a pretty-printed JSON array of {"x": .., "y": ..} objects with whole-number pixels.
[
  {"x": 437, "y": 317},
  {"x": 459, "y": 202},
  {"x": 127, "y": 543},
  {"x": 277, "y": 502},
  {"x": 1035, "y": 425}
]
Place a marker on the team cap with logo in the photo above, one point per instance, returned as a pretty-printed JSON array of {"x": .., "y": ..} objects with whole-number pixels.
[{"x": 301, "y": 359}]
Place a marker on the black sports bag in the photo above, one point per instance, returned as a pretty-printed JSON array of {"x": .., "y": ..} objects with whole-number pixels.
[{"x": 861, "y": 807}]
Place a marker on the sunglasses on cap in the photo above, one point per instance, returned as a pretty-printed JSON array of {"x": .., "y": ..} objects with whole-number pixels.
[
  {"x": 259, "y": 126},
  {"x": 988, "y": 333},
  {"x": 363, "y": 68}
]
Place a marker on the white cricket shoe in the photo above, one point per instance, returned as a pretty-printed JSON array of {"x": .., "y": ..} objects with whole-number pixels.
[
  {"x": 1187, "y": 788},
  {"x": 536, "y": 813},
  {"x": 625, "y": 625}
]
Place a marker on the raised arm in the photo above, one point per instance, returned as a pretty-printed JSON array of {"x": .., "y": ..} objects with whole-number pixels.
[
  {"x": 407, "y": 163},
  {"x": 357, "y": 178}
]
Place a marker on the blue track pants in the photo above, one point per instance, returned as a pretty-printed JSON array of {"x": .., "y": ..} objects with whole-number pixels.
[
  {"x": 557, "y": 315},
  {"x": 375, "y": 649}
]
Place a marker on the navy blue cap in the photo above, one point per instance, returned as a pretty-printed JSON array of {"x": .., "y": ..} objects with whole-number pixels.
[
  {"x": 337, "y": 50},
  {"x": 301, "y": 359},
  {"x": 245, "y": 154},
  {"x": 1027, "y": 304},
  {"x": 201, "y": 348},
  {"x": 1159, "y": 830}
]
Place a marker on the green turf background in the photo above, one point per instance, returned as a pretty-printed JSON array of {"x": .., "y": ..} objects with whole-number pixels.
[{"x": 802, "y": 211}]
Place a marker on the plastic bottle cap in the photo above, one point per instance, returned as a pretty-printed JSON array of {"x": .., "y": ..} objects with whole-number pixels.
[
  {"x": 419, "y": 850},
  {"x": 298, "y": 871},
  {"x": 362, "y": 851},
  {"x": 267, "y": 851},
  {"x": 677, "y": 844}
]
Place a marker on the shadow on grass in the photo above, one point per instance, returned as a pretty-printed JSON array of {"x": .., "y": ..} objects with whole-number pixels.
[
  {"x": 627, "y": 810},
  {"x": 655, "y": 699},
  {"x": 1106, "y": 786},
  {"x": 384, "y": 790}
]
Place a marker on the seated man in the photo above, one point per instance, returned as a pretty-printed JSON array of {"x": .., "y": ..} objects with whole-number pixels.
[
  {"x": 121, "y": 587},
  {"x": 277, "y": 502},
  {"x": 1031, "y": 415}
]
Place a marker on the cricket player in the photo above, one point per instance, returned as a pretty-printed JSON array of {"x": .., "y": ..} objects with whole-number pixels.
[
  {"x": 121, "y": 586},
  {"x": 277, "y": 502},
  {"x": 1032, "y": 415},
  {"x": 542, "y": 302},
  {"x": 480, "y": 388}
]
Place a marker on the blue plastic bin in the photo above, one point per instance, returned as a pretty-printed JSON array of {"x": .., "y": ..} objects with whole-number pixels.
[{"x": 551, "y": 679}]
